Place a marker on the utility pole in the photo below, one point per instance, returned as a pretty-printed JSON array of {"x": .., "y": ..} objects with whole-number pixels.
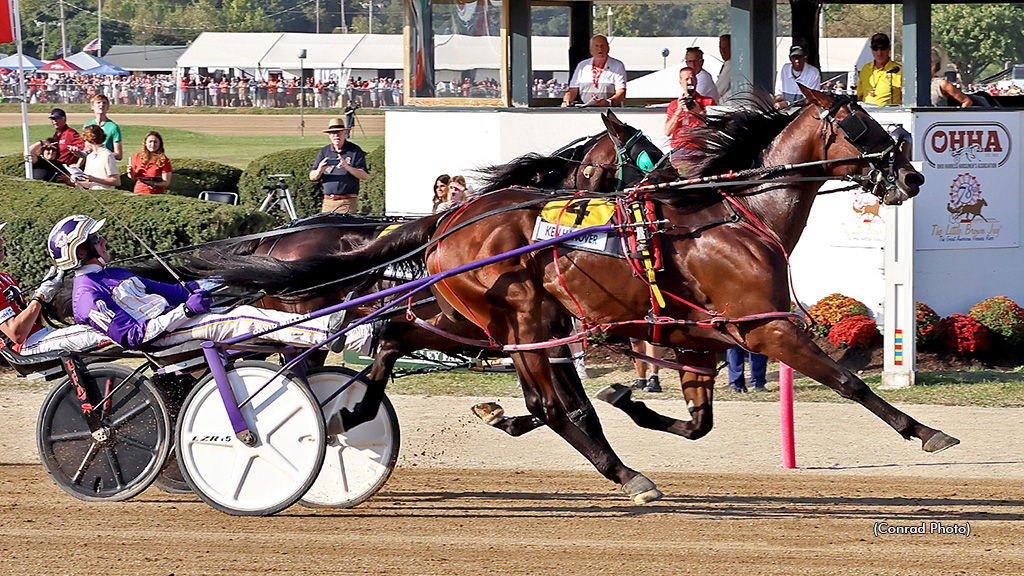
[
  {"x": 317, "y": 16},
  {"x": 609, "y": 21},
  {"x": 63, "y": 33},
  {"x": 344, "y": 28},
  {"x": 99, "y": 27},
  {"x": 371, "y": 17}
]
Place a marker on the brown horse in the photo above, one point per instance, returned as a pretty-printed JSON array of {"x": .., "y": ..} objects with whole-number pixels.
[{"x": 724, "y": 271}]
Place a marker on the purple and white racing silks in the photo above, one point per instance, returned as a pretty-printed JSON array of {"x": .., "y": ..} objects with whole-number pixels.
[{"x": 135, "y": 311}]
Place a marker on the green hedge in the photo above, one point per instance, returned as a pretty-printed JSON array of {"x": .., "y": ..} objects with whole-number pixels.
[
  {"x": 166, "y": 221},
  {"x": 307, "y": 195}
]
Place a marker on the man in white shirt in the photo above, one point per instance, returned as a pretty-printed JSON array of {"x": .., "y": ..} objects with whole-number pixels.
[
  {"x": 796, "y": 71},
  {"x": 724, "y": 81},
  {"x": 705, "y": 84},
  {"x": 599, "y": 80}
]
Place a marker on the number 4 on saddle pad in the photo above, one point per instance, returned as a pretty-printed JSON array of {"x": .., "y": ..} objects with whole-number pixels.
[{"x": 566, "y": 216}]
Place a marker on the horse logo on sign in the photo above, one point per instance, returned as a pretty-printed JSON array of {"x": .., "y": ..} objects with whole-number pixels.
[{"x": 965, "y": 201}]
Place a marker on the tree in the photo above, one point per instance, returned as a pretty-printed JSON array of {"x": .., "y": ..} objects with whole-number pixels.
[{"x": 979, "y": 38}]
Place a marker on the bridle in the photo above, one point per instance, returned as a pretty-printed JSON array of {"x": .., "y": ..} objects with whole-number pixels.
[
  {"x": 633, "y": 159},
  {"x": 883, "y": 173}
]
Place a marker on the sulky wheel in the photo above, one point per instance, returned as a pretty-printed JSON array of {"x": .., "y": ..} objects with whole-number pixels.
[
  {"x": 125, "y": 447},
  {"x": 358, "y": 461},
  {"x": 274, "y": 472}
]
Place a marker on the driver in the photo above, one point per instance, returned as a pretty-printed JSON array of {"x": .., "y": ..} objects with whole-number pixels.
[
  {"x": 135, "y": 311},
  {"x": 21, "y": 322}
]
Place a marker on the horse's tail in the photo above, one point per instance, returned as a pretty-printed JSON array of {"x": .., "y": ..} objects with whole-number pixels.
[{"x": 320, "y": 273}]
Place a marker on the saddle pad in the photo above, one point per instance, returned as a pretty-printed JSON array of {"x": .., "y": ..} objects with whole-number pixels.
[
  {"x": 388, "y": 230},
  {"x": 579, "y": 212}
]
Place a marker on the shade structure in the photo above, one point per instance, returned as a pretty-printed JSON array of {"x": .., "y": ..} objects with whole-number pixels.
[
  {"x": 27, "y": 62},
  {"x": 60, "y": 65},
  {"x": 105, "y": 70}
]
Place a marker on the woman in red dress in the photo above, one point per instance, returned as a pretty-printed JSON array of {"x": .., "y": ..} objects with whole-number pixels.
[{"x": 150, "y": 168}]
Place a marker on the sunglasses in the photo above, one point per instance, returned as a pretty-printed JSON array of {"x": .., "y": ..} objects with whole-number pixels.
[{"x": 878, "y": 47}]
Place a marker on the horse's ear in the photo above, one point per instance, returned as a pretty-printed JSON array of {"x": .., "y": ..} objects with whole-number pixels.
[
  {"x": 613, "y": 124},
  {"x": 815, "y": 97},
  {"x": 612, "y": 117}
]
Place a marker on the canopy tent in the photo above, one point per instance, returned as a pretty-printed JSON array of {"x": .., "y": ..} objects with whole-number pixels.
[
  {"x": 105, "y": 70},
  {"x": 27, "y": 62},
  {"x": 145, "y": 58},
  {"x": 84, "y": 60},
  {"x": 60, "y": 65}
]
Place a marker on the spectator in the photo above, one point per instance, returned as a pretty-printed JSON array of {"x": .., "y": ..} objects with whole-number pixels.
[
  {"x": 150, "y": 168},
  {"x": 458, "y": 191},
  {"x": 685, "y": 112},
  {"x": 21, "y": 325},
  {"x": 46, "y": 166},
  {"x": 68, "y": 140},
  {"x": 796, "y": 71},
  {"x": 441, "y": 196},
  {"x": 100, "y": 104},
  {"x": 880, "y": 81},
  {"x": 100, "y": 167},
  {"x": 599, "y": 80},
  {"x": 647, "y": 378},
  {"x": 944, "y": 92},
  {"x": 340, "y": 165},
  {"x": 758, "y": 368},
  {"x": 705, "y": 85},
  {"x": 724, "y": 82}
]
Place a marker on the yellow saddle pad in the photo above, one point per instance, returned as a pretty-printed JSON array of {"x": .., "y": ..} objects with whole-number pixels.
[
  {"x": 579, "y": 212},
  {"x": 388, "y": 230}
]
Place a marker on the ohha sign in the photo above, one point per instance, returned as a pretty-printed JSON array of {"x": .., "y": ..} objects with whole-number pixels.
[{"x": 960, "y": 145}]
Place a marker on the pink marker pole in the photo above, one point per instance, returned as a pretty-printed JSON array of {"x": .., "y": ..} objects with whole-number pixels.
[{"x": 786, "y": 411}]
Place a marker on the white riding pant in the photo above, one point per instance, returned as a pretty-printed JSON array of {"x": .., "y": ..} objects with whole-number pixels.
[
  {"x": 218, "y": 326},
  {"x": 71, "y": 339}
]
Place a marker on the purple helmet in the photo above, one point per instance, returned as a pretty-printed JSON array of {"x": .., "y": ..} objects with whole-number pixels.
[{"x": 67, "y": 236}]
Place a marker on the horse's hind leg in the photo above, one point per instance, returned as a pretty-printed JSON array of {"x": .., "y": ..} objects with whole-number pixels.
[
  {"x": 561, "y": 404},
  {"x": 698, "y": 390},
  {"x": 782, "y": 340}
]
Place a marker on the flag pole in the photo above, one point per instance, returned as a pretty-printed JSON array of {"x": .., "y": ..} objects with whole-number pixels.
[{"x": 16, "y": 26}]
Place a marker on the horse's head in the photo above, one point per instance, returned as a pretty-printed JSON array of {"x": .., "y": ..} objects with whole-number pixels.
[
  {"x": 849, "y": 132},
  {"x": 632, "y": 155}
]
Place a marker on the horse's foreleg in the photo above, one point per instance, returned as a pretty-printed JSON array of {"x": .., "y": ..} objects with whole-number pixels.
[
  {"x": 782, "y": 340},
  {"x": 697, "y": 391}
]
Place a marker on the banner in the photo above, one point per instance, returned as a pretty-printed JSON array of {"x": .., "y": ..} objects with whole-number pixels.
[
  {"x": 6, "y": 22},
  {"x": 972, "y": 168}
]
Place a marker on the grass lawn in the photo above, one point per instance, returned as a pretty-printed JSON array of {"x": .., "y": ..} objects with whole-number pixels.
[{"x": 236, "y": 151}]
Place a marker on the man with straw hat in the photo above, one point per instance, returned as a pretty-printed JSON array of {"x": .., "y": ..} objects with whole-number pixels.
[{"x": 340, "y": 166}]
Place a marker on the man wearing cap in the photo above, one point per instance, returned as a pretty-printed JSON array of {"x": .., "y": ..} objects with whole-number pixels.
[
  {"x": 21, "y": 326},
  {"x": 68, "y": 140},
  {"x": 796, "y": 71},
  {"x": 340, "y": 166},
  {"x": 880, "y": 81}
]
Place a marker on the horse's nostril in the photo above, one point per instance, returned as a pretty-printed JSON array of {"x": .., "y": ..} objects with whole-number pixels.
[{"x": 914, "y": 179}]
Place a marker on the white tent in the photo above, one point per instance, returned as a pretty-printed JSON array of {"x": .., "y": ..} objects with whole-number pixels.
[
  {"x": 84, "y": 60},
  {"x": 27, "y": 62}
]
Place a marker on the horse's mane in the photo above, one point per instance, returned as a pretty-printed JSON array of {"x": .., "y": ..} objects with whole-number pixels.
[
  {"x": 734, "y": 139},
  {"x": 536, "y": 170}
]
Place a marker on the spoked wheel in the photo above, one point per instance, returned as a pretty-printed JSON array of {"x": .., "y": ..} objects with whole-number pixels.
[
  {"x": 358, "y": 461},
  {"x": 125, "y": 449},
  {"x": 268, "y": 476}
]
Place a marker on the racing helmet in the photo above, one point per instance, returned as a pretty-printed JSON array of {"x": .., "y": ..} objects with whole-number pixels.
[{"x": 67, "y": 236}]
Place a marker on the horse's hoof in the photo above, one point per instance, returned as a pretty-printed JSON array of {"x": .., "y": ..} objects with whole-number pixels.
[
  {"x": 490, "y": 412},
  {"x": 939, "y": 442},
  {"x": 641, "y": 490},
  {"x": 613, "y": 393}
]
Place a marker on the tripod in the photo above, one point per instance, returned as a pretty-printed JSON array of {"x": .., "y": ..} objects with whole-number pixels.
[{"x": 279, "y": 196}]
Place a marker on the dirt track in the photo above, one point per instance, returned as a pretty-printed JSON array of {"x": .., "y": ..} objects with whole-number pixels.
[
  {"x": 216, "y": 124},
  {"x": 465, "y": 499}
]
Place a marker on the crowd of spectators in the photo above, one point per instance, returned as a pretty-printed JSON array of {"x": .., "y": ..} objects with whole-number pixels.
[
  {"x": 466, "y": 88},
  {"x": 196, "y": 90}
]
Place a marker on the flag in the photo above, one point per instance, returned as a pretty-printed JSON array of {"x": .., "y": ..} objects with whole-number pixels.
[
  {"x": 6, "y": 28},
  {"x": 91, "y": 46}
]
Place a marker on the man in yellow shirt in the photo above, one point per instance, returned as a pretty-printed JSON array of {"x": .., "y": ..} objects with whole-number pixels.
[{"x": 881, "y": 80}]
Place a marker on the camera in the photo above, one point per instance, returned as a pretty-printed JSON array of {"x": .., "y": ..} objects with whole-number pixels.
[{"x": 333, "y": 161}]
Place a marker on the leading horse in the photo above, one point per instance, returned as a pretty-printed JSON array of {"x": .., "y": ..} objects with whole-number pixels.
[{"x": 724, "y": 275}]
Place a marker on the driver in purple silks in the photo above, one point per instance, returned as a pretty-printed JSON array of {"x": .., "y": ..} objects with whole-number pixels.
[{"x": 135, "y": 311}]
